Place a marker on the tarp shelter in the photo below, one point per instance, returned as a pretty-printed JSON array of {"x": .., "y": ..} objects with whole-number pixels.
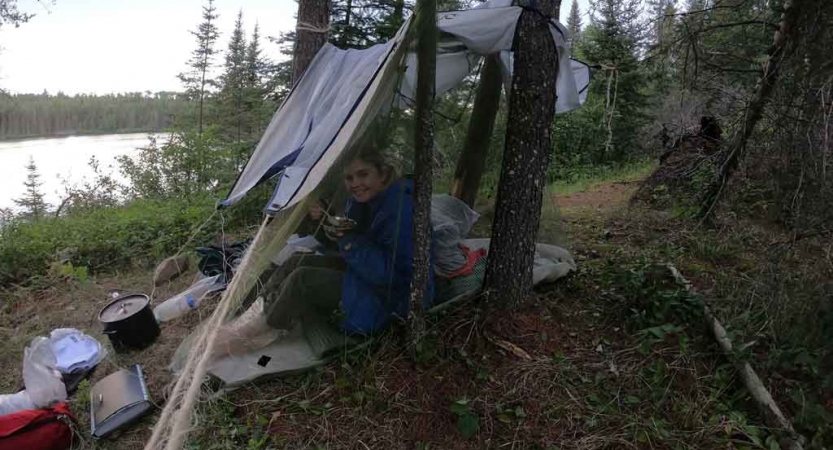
[
  {"x": 342, "y": 91},
  {"x": 324, "y": 116}
]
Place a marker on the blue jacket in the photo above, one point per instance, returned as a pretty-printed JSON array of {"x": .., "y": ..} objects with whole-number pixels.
[{"x": 379, "y": 256}]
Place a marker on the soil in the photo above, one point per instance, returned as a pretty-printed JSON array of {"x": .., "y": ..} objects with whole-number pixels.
[
  {"x": 603, "y": 195},
  {"x": 583, "y": 378}
]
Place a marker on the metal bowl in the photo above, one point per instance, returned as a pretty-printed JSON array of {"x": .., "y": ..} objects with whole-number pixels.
[{"x": 341, "y": 223}]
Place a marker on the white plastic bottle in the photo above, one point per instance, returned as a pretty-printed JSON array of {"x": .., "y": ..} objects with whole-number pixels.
[{"x": 187, "y": 300}]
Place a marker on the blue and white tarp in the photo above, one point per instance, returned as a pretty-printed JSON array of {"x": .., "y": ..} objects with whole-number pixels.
[{"x": 342, "y": 91}]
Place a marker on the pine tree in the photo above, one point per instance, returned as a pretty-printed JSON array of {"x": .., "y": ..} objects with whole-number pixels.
[
  {"x": 574, "y": 23},
  {"x": 362, "y": 23},
  {"x": 197, "y": 79},
  {"x": 527, "y": 153},
  {"x": 32, "y": 202},
  {"x": 662, "y": 53},
  {"x": 10, "y": 14},
  {"x": 615, "y": 41},
  {"x": 259, "y": 85},
  {"x": 426, "y": 51},
  {"x": 232, "y": 84},
  {"x": 311, "y": 34},
  {"x": 656, "y": 12}
]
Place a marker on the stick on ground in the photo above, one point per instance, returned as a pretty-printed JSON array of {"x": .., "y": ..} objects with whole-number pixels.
[{"x": 773, "y": 417}]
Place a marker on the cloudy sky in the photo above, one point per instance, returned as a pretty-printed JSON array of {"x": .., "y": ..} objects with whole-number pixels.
[{"x": 104, "y": 46}]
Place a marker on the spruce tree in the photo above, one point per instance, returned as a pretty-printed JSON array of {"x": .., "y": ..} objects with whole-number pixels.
[
  {"x": 259, "y": 85},
  {"x": 11, "y": 15},
  {"x": 232, "y": 83},
  {"x": 574, "y": 22},
  {"x": 197, "y": 79},
  {"x": 32, "y": 202},
  {"x": 615, "y": 41}
]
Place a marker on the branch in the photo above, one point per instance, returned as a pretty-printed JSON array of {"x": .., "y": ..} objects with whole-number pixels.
[
  {"x": 774, "y": 26},
  {"x": 773, "y": 417},
  {"x": 63, "y": 204},
  {"x": 724, "y": 69},
  {"x": 703, "y": 11}
]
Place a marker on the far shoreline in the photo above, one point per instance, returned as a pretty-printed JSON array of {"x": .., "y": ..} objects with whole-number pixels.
[{"x": 77, "y": 134}]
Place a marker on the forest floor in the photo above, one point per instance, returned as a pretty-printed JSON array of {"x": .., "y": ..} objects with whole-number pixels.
[{"x": 613, "y": 356}]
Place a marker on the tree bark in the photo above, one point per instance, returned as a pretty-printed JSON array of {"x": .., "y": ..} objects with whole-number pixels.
[
  {"x": 311, "y": 34},
  {"x": 763, "y": 90},
  {"x": 526, "y": 156},
  {"x": 423, "y": 148},
  {"x": 472, "y": 159}
]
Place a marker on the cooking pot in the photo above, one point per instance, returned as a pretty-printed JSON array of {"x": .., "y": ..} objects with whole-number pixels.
[{"x": 129, "y": 322}]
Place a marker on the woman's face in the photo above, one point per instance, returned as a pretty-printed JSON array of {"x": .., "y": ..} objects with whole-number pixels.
[{"x": 363, "y": 181}]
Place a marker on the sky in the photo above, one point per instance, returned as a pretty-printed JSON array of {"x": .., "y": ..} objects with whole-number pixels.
[{"x": 107, "y": 46}]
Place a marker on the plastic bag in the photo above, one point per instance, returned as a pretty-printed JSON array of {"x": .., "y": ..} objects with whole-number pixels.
[
  {"x": 44, "y": 386},
  {"x": 42, "y": 379},
  {"x": 15, "y": 402},
  {"x": 451, "y": 221},
  {"x": 451, "y": 217},
  {"x": 75, "y": 350}
]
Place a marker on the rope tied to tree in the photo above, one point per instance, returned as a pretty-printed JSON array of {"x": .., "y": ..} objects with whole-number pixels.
[{"x": 305, "y": 26}]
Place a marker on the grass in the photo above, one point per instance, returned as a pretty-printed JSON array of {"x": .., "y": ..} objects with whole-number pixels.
[
  {"x": 618, "y": 356},
  {"x": 587, "y": 179}
]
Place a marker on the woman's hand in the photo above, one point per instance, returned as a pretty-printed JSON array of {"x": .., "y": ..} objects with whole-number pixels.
[
  {"x": 316, "y": 212},
  {"x": 319, "y": 210},
  {"x": 333, "y": 233}
]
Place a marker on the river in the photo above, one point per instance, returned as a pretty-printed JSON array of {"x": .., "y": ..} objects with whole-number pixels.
[{"x": 59, "y": 159}]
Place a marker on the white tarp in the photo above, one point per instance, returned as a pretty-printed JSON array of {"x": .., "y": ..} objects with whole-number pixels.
[
  {"x": 343, "y": 90},
  {"x": 311, "y": 342}
]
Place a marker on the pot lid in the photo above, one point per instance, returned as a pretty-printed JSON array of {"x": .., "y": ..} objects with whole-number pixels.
[{"x": 123, "y": 307}]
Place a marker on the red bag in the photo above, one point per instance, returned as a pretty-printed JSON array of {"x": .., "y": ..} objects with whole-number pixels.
[{"x": 37, "y": 429}]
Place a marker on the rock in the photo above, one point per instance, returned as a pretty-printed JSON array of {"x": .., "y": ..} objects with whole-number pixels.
[{"x": 169, "y": 269}]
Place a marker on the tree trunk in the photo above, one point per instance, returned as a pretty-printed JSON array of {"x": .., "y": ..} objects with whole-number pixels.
[
  {"x": 348, "y": 9},
  {"x": 399, "y": 12},
  {"x": 754, "y": 112},
  {"x": 526, "y": 156},
  {"x": 423, "y": 148},
  {"x": 311, "y": 34},
  {"x": 472, "y": 159}
]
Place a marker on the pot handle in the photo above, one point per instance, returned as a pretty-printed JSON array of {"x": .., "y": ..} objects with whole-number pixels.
[{"x": 109, "y": 332}]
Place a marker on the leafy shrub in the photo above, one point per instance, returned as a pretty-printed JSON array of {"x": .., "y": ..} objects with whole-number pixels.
[
  {"x": 103, "y": 239},
  {"x": 187, "y": 164},
  {"x": 656, "y": 304}
]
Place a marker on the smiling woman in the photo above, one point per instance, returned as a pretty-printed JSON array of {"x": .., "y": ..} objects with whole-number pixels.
[
  {"x": 368, "y": 175},
  {"x": 366, "y": 283}
]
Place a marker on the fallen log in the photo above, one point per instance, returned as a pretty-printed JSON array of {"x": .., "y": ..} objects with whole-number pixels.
[{"x": 788, "y": 438}]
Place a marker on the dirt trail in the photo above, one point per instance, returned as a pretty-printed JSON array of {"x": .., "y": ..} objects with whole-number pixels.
[{"x": 602, "y": 195}]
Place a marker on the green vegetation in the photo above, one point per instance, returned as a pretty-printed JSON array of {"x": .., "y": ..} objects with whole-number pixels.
[
  {"x": 582, "y": 178},
  {"x": 32, "y": 202},
  {"x": 618, "y": 354},
  {"x": 102, "y": 239},
  {"x": 41, "y": 115}
]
